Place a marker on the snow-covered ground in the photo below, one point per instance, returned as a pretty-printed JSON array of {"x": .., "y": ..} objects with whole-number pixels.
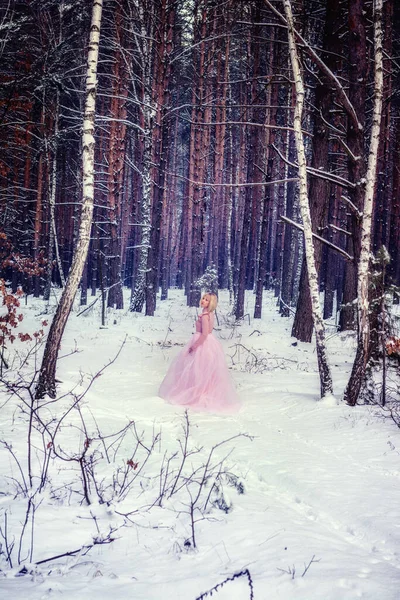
[{"x": 301, "y": 501}]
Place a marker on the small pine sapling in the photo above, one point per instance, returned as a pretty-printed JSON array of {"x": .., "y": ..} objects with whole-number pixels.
[{"x": 209, "y": 280}]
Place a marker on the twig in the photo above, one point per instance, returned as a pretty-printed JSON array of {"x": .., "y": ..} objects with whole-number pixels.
[
  {"x": 9, "y": 448},
  {"x": 306, "y": 567},
  {"x": 353, "y": 207},
  {"x": 290, "y": 571},
  {"x": 186, "y": 432},
  {"x": 96, "y": 542},
  {"x": 244, "y": 573},
  {"x": 166, "y": 335},
  {"x": 4, "y": 535},
  {"x": 105, "y": 291}
]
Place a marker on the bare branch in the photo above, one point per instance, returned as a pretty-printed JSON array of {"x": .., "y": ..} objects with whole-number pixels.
[
  {"x": 352, "y": 206},
  {"x": 318, "y": 237},
  {"x": 347, "y": 105},
  {"x": 204, "y": 184},
  {"x": 306, "y": 567},
  {"x": 339, "y": 229},
  {"x": 318, "y": 172}
]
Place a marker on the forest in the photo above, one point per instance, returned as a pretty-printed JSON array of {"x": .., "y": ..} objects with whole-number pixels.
[
  {"x": 237, "y": 145},
  {"x": 151, "y": 151}
]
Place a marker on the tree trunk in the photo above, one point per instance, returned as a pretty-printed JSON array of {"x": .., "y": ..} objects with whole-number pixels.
[
  {"x": 146, "y": 141},
  {"x": 251, "y": 138},
  {"x": 285, "y": 299},
  {"x": 358, "y": 372},
  {"x": 198, "y": 162},
  {"x": 161, "y": 134},
  {"x": 394, "y": 239},
  {"x": 46, "y": 382},
  {"x": 272, "y": 99},
  {"x": 358, "y": 71},
  {"x": 323, "y": 366},
  {"x": 116, "y": 158},
  {"x": 168, "y": 221},
  {"x": 319, "y": 192},
  {"x": 138, "y": 292}
]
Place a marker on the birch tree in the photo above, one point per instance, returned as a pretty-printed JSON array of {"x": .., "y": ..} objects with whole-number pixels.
[
  {"x": 319, "y": 189},
  {"x": 319, "y": 329},
  {"x": 358, "y": 69},
  {"x": 360, "y": 362},
  {"x": 46, "y": 381}
]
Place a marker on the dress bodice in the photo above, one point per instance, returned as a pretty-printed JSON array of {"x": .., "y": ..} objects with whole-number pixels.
[{"x": 203, "y": 320}]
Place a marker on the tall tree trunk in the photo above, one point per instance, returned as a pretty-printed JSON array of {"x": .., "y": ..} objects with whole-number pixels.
[
  {"x": 116, "y": 159},
  {"x": 146, "y": 141},
  {"x": 358, "y": 372},
  {"x": 53, "y": 238},
  {"x": 240, "y": 172},
  {"x": 358, "y": 71},
  {"x": 198, "y": 162},
  {"x": 319, "y": 188},
  {"x": 37, "y": 236},
  {"x": 323, "y": 366},
  {"x": 169, "y": 217},
  {"x": 394, "y": 239},
  {"x": 252, "y": 173},
  {"x": 285, "y": 299},
  {"x": 138, "y": 292},
  {"x": 46, "y": 382},
  {"x": 272, "y": 99},
  {"x": 219, "y": 197},
  {"x": 161, "y": 134}
]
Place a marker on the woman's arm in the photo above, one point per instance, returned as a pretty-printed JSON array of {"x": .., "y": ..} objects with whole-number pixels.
[{"x": 205, "y": 330}]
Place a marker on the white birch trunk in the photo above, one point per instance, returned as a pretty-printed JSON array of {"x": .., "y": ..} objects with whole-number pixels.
[
  {"x": 358, "y": 372},
  {"x": 323, "y": 366},
  {"x": 46, "y": 381}
]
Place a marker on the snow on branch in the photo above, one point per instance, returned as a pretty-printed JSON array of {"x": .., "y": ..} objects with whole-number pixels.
[{"x": 318, "y": 237}]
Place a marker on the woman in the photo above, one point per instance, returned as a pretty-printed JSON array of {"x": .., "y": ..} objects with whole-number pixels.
[{"x": 199, "y": 377}]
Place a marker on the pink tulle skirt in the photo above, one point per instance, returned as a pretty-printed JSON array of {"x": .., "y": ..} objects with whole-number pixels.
[{"x": 201, "y": 379}]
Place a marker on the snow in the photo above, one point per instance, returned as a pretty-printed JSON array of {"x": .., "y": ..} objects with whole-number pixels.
[{"x": 307, "y": 493}]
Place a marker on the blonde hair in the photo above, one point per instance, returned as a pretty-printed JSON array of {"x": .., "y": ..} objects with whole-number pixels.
[{"x": 213, "y": 301}]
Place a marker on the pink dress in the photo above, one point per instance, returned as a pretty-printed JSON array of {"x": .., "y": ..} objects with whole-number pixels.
[{"x": 200, "y": 379}]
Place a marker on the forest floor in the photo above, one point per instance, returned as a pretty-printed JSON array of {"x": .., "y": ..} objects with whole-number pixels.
[{"x": 300, "y": 502}]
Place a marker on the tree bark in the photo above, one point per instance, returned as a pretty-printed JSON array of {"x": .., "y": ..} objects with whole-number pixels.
[
  {"x": 161, "y": 133},
  {"x": 359, "y": 366},
  {"x": 146, "y": 142},
  {"x": 319, "y": 192},
  {"x": 116, "y": 158},
  {"x": 46, "y": 382},
  {"x": 358, "y": 71},
  {"x": 323, "y": 366}
]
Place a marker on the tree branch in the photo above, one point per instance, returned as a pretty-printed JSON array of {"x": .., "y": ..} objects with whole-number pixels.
[
  {"x": 318, "y": 173},
  {"x": 347, "y": 105},
  {"x": 318, "y": 237}
]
